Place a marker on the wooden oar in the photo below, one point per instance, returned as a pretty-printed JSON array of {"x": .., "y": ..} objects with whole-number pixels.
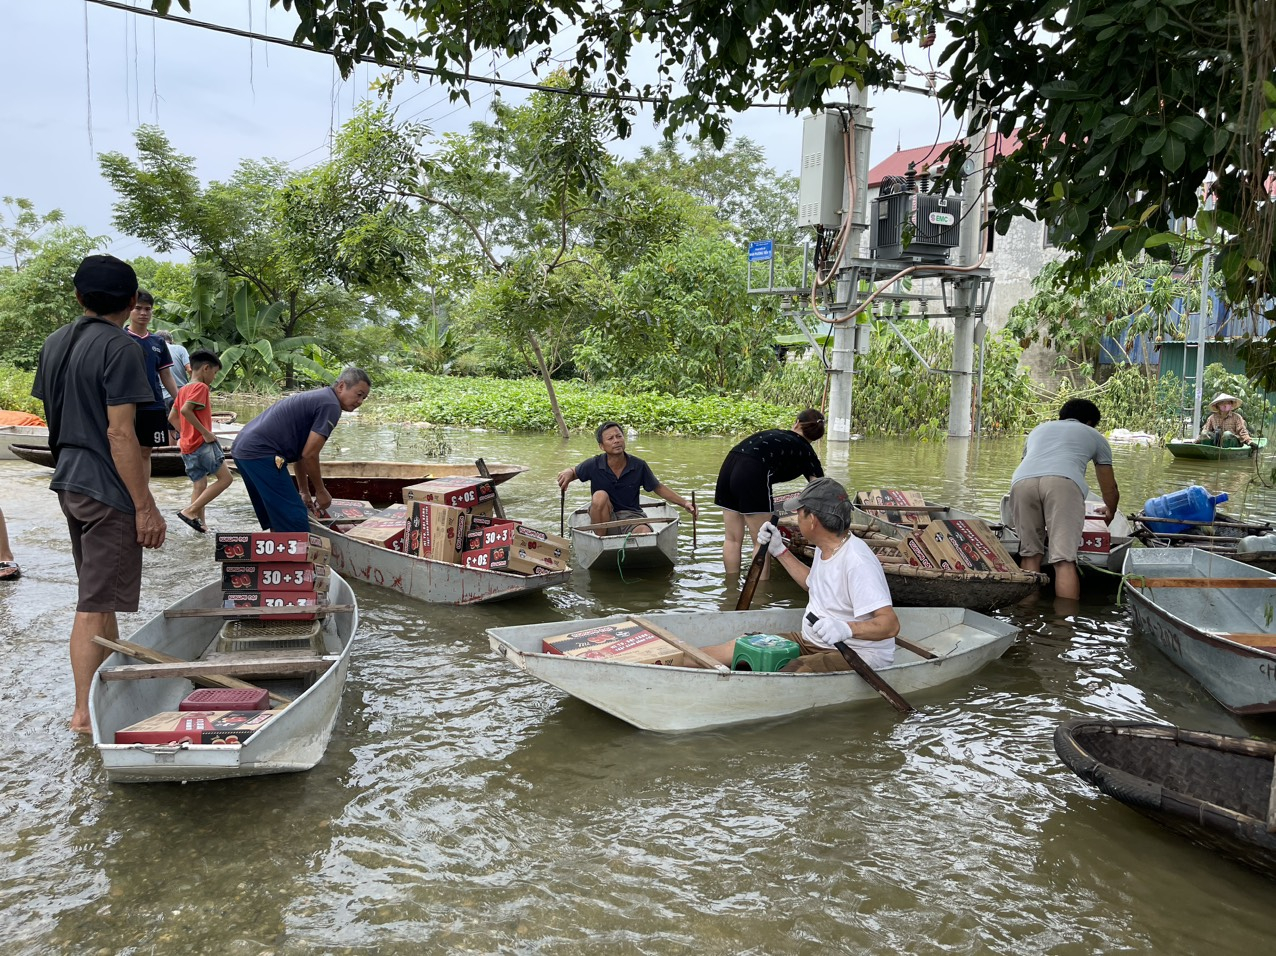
[
  {"x": 562, "y": 508},
  {"x": 755, "y": 572},
  {"x": 693, "y": 521},
  {"x": 481, "y": 465},
  {"x": 871, "y": 677}
]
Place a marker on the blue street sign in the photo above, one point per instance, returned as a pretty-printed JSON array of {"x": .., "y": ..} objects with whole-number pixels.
[{"x": 760, "y": 251}]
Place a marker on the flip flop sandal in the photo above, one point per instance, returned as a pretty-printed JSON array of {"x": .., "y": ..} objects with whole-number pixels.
[
  {"x": 194, "y": 523},
  {"x": 9, "y": 571}
]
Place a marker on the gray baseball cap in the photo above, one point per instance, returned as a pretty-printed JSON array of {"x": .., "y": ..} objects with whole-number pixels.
[{"x": 826, "y": 497}]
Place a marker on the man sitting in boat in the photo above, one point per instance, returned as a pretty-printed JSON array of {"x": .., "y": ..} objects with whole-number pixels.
[
  {"x": 849, "y": 598},
  {"x": 614, "y": 479},
  {"x": 1225, "y": 427}
]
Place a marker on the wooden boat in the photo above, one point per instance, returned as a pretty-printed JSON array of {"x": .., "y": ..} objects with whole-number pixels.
[
  {"x": 657, "y": 548},
  {"x": 426, "y": 579},
  {"x": 1213, "y": 789},
  {"x": 1220, "y": 536},
  {"x": 926, "y": 587},
  {"x": 1211, "y": 616},
  {"x": 166, "y": 460},
  {"x": 672, "y": 699},
  {"x": 381, "y": 483},
  {"x": 1196, "y": 451},
  {"x": 310, "y": 671},
  {"x": 36, "y": 435},
  {"x": 1121, "y": 531}
]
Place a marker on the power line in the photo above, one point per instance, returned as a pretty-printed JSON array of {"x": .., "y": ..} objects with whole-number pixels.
[{"x": 362, "y": 58}]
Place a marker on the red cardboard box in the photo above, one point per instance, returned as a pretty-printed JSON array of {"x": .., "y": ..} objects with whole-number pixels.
[
  {"x": 277, "y": 547},
  {"x": 348, "y": 509},
  {"x": 385, "y": 531},
  {"x": 615, "y": 642},
  {"x": 453, "y": 492},
  {"x": 233, "y": 599},
  {"x": 196, "y": 727},
  {"x": 226, "y": 698},
  {"x": 273, "y": 577},
  {"x": 1096, "y": 538},
  {"x": 436, "y": 531},
  {"x": 487, "y": 559}
]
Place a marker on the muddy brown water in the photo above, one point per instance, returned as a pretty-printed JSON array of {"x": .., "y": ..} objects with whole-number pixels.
[{"x": 464, "y": 807}]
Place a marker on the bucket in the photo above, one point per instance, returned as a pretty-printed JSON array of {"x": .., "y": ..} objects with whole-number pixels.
[{"x": 1190, "y": 504}]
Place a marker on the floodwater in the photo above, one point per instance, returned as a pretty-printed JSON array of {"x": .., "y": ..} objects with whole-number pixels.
[{"x": 462, "y": 807}]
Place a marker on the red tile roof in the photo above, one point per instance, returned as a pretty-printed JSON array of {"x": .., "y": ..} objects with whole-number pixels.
[{"x": 897, "y": 164}]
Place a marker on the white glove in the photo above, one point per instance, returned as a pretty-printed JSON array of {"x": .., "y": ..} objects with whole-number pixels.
[
  {"x": 831, "y": 631},
  {"x": 769, "y": 538}
]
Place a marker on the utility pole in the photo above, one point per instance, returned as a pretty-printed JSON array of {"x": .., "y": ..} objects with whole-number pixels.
[
  {"x": 1202, "y": 325},
  {"x": 845, "y": 335},
  {"x": 966, "y": 289}
]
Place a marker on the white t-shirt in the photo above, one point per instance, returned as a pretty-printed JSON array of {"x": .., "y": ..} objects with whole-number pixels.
[{"x": 849, "y": 586}]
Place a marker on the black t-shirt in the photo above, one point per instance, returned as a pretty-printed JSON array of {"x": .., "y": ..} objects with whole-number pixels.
[
  {"x": 786, "y": 454},
  {"x": 105, "y": 366}
]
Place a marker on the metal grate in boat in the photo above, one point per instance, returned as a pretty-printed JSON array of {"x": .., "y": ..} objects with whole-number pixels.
[{"x": 270, "y": 636}]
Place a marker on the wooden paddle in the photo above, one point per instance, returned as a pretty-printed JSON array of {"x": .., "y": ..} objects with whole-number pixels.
[
  {"x": 871, "y": 677},
  {"x": 481, "y": 465},
  {"x": 693, "y": 521},
  {"x": 755, "y": 572},
  {"x": 689, "y": 649},
  {"x": 562, "y": 508}
]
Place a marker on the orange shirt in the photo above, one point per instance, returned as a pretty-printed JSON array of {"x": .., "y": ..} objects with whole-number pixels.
[{"x": 195, "y": 393}]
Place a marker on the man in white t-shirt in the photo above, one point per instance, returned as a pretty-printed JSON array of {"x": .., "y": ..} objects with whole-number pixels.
[
  {"x": 849, "y": 597},
  {"x": 1048, "y": 491}
]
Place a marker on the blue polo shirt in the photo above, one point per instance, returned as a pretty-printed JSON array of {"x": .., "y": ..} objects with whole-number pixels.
[{"x": 623, "y": 490}]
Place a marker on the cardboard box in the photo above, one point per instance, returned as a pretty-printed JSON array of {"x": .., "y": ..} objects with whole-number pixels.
[
  {"x": 277, "y": 547},
  {"x": 1096, "y": 538},
  {"x": 226, "y": 698},
  {"x": 918, "y": 556},
  {"x": 934, "y": 538},
  {"x": 453, "y": 492},
  {"x": 538, "y": 542},
  {"x": 626, "y": 642},
  {"x": 311, "y": 598},
  {"x": 436, "y": 531},
  {"x": 388, "y": 531},
  {"x": 487, "y": 559},
  {"x": 274, "y": 577},
  {"x": 196, "y": 727},
  {"x": 349, "y": 509},
  {"x": 889, "y": 504},
  {"x": 975, "y": 544},
  {"x": 522, "y": 561}
]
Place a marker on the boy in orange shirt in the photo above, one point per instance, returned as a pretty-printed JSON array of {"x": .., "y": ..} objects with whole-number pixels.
[{"x": 192, "y": 417}]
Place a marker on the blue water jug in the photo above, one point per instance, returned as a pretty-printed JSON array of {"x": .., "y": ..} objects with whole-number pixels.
[{"x": 1190, "y": 504}]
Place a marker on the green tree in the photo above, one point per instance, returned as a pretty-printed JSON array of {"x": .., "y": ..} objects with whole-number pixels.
[
  {"x": 20, "y": 229},
  {"x": 38, "y": 298},
  {"x": 1124, "y": 107}
]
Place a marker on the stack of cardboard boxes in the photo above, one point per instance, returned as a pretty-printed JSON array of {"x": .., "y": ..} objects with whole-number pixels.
[
  {"x": 269, "y": 569},
  {"x": 455, "y": 520},
  {"x": 627, "y": 641}
]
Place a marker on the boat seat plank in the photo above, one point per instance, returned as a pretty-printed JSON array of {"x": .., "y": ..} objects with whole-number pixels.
[
  {"x": 152, "y": 656},
  {"x": 1261, "y": 640},
  {"x": 1143, "y": 581},
  {"x": 623, "y": 523},
  {"x": 263, "y": 668}
]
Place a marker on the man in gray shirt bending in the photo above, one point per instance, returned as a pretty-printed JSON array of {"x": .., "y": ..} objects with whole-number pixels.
[{"x": 1048, "y": 491}]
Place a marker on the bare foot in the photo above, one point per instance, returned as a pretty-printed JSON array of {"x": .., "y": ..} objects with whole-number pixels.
[{"x": 81, "y": 724}]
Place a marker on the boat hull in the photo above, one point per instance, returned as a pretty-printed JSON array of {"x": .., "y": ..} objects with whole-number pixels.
[
  {"x": 1212, "y": 789},
  {"x": 425, "y": 579},
  {"x": 683, "y": 699},
  {"x": 293, "y": 741},
  {"x": 621, "y": 552},
  {"x": 1190, "y": 626},
  {"x": 1193, "y": 451},
  {"x": 166, "y": 460},
  {"x": 381, "y": 483}
]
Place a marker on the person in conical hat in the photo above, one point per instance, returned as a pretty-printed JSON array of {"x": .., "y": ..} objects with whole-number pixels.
[{"x": 1225, "y": 427}]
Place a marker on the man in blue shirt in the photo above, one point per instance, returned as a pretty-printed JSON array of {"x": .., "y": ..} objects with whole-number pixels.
[
  {"x": 614, "y": 479},
  {"x": 152, "y": 416},
  {"x": 294, "y": 431}
]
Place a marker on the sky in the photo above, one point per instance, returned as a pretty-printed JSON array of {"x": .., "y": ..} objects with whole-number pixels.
[{"x": 82, "y": 77}]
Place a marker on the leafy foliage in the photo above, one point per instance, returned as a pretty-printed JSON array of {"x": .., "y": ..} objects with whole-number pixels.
[
  {"x": 38, "y": 298},
  {"x": 20, "y": 229},
  {"x": 15, "y": 390},
  {"x": 523, "y": 406}
]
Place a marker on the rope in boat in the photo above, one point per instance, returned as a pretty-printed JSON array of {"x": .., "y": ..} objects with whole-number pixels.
[{"x": 620, "y": 555}]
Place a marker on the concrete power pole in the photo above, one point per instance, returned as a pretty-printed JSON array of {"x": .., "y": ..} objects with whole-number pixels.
[
  {"x": 966, "y": 291},
  {"x": 845, "y": 336}
]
